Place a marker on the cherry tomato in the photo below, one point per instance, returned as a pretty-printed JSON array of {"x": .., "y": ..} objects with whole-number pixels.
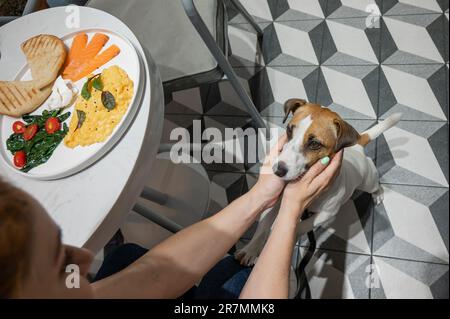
[
  {"x": 52, "y": 125},
  {"x": 20, "y": 159},
  {"x": 18, "y": 127},
  {"x": 30, "y": 132}
]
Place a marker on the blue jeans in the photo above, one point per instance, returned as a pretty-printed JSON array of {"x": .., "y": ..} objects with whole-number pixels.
[
  {"x": 223, "y": 281},
  {"x": 58, "y": 3}
]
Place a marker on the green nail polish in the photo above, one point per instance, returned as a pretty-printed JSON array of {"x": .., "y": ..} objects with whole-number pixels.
[{"x": 325, "y": 160}]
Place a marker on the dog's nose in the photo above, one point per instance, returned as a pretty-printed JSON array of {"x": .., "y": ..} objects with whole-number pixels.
[{"x": 280, "y": 169}]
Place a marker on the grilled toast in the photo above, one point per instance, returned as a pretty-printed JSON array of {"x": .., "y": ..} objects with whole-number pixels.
[
  {"x": 21, "y": 97},
  {"x": 46, "y": 55}
]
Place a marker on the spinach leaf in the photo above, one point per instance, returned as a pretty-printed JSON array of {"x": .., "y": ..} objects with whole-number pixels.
[
  {"x": 15, "y": 143},
  {"x": 29, "y": 119},
  {"x": 108, "y": 100},
  {"x": 41, "y": 147},
  {"x": 55, "y": 113},
  {"x": 64, "y": 117},
  {"x": 40, "y": 119},
  {"x": 40, "y": 135},
  {"x": 41, "y": 153}
]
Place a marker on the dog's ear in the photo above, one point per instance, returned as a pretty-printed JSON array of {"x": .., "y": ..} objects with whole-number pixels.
[
  {"x": 346, "y": 135},
  {"x": 291, "y": 106}
]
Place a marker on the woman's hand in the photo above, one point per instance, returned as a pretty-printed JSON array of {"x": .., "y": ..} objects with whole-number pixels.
[
  {"x": 269, "y": 186},
  {"x": 298, "y": 195}
]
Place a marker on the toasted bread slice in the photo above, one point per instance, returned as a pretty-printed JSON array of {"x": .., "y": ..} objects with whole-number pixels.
[
  {"x": 21, "y": 97},
  {"x": 45, "y": 55}
]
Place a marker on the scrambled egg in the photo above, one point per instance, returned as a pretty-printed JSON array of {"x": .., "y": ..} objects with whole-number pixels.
[{"x": 100, "y": 122}]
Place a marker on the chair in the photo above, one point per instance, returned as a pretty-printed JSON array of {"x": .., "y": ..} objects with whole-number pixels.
[{"x": 188, "y": 40}]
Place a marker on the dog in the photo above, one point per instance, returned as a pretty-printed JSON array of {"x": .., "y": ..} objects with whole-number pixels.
[{"x": 314, "y": 132}]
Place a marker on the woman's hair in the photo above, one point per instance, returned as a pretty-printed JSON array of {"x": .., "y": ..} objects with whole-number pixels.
[{"x": 15, "y": 238}]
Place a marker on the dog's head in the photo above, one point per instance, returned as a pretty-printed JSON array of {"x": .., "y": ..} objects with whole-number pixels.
[{"x": 313, "y": 133}]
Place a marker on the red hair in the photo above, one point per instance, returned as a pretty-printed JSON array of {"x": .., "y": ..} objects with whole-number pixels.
[{"x": 15, "y": 238}]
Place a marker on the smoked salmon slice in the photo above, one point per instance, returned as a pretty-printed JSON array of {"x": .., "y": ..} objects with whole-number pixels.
[
  {"x": 78, "y": 45},
  {"x": 96, "y": 44},
  {"x": 91, "y": 65},
  {"x": 94, "y": 47}
]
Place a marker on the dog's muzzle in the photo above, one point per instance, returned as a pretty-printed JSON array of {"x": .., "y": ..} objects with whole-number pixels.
[{"x": 280, "y": 169}]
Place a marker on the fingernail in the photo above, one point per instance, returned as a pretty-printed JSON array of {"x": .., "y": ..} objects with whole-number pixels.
[{"x": 325, "y": 160}]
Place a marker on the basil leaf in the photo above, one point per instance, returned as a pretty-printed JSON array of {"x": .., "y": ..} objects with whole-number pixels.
[
  {"x": 108, "y": 100},
  {"x": 97, "y": 83},
  {"x": 81, "y": 118},
  {"x": 85, "y": 92}
]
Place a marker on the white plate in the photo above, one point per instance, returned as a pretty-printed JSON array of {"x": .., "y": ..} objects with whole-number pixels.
[{"x": 66, "y": 161}]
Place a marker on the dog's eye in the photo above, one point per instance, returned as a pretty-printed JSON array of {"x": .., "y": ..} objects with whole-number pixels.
[{"x": 314, "y": 145}]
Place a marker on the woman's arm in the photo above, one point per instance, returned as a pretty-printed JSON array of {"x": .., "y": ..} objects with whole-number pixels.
[
  {"x": 270, "y": 276},
  {"x": 175, "y": 265}
]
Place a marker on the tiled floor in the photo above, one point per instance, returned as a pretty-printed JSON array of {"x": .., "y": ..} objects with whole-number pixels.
[{"x": 322, "y": 50}]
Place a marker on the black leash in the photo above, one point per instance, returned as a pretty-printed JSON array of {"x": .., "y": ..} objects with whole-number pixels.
[{"x": 300, "y": 272}]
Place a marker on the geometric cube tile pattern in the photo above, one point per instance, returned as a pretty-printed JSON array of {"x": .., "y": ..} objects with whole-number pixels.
[
  {"x": 285, "y": 10},
  {"x": 414, "y": 154},
  {"x": 352, "y": 91},
  {"x": 352, "y": 231},
  {"x": 424, "y": 98},
  {"x": 413, "y": 39},
  {"x": 350, "y": 41},
  {"x": 335, "y": 275},
  {"x": 368, "y": 9},
  {"x": 412, "y": 223},
  {"x": 407, "y": 7},
  {"x": 366, "y": 60},
  {"x": 293, "y": 42},
  {"x": 405, "y": 279}
]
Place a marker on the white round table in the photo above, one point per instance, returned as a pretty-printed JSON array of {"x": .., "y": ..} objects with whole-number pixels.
[{"x": 91, "y": 205}]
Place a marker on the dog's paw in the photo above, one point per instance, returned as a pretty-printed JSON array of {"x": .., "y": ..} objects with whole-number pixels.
[
  {"x": 246, "y": 257},
  {"x": 378, "y": 196}
]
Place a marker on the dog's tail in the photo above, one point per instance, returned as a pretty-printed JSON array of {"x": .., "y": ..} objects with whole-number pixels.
[{"x": 372, "y": 133}]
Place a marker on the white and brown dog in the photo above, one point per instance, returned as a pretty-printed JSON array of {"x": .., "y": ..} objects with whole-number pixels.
[{"x": 313, "y": 133}]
